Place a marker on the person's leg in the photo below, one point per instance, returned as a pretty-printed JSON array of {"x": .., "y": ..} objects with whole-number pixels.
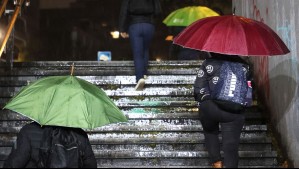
[
  {"x": 135, "y": 35},
  {"x": 212, "y": 145},
  {"x": 232, "y": 125},
  {"x": 231, "y": 132},
  {"x": 148, "y": 33},
  {"x": 211, "y": 131}
]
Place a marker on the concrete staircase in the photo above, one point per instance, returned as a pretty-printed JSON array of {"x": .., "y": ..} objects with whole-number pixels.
[{"x": 163, "y": 129}]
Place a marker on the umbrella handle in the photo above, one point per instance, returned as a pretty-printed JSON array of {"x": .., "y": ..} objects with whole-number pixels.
[{"x": 72, "y": 69}]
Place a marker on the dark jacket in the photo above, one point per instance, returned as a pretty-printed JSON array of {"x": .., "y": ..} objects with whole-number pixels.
[
  {"x": 26, "y": 153},
  {"x": 126, "y": 18}
]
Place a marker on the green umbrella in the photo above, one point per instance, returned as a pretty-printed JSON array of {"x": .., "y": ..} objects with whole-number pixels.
[
  {"x": 66, "y": 101},
  {"x": 187, "y": 15}
]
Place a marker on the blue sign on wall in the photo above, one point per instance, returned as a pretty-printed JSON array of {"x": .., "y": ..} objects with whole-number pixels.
[{"x": 104, "y": 56}]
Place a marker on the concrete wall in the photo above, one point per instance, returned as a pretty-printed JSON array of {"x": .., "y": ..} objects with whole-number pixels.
[{"x": 277, "y": 76}]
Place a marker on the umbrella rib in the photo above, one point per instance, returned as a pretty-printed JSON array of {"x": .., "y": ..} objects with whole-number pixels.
[
  {"x": 209, "y": 37},
  {"x": 82, "y": 91},
  {"x": 105, "y": 101},
  {"x": 50, "y": 101},
  {"x": 244, "y": 35},
  {"x": 87, "y": 116},
  {"x": 275, "y": 41},
  {"x": 263, "y": 42}
]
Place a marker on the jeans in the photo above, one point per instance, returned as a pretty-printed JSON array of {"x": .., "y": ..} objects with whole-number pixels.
[
  {"x": 231, "y": 127},
  {"x": 141, "y": 35}
]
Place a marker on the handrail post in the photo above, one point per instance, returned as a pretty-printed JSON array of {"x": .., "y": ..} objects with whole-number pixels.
[{"x": 11, "y": 25}]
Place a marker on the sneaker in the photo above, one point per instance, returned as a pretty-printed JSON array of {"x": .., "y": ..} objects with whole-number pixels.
[{"x": 140, "y": 85}]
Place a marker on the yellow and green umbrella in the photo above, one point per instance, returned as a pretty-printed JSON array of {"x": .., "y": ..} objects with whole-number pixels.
[
  {"x": 187, "y": 15},
  {"x": 66, "y": 101}
]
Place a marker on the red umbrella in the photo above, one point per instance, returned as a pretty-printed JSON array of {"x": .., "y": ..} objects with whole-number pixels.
[{"x": 232, "y": 35}]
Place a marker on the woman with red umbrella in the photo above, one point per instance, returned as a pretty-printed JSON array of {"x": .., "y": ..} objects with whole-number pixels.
[
  {"x": 230, "y": 36},
  {"x": 221, "y": 92}
]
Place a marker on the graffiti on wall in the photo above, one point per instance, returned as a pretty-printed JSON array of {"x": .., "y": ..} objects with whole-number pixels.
[
  {"x": 257, "y": 13},
  {"x": 261, "y": 69}
]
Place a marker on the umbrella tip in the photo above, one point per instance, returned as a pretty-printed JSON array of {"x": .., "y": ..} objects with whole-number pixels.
[{"x": 72, "y": 69}]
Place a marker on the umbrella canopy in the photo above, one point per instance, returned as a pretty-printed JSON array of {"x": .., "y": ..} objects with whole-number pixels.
[
  {"x": 232, "y": 35},
  {"x": 187, "y": 15},
  {"x": 66, "y": 101}
]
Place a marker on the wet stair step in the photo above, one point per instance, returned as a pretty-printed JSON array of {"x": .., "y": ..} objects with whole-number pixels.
[
  {"x": 178, "y": 158},
  {"x": 163, "y": 131}
]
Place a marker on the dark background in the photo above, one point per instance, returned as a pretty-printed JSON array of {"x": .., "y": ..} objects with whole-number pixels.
[{"x": 44, "y": 28}]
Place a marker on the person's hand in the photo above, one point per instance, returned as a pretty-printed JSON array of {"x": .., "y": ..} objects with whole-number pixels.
[{"x": 124, "y": 35}]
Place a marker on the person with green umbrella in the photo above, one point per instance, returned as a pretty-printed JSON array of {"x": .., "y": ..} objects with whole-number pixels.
[
  {"x": 177, "y": 21},
  {"x": 66, "y": 101},
  {"x": 60, "y": 104}
]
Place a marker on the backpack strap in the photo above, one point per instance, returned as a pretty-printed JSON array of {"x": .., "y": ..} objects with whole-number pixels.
[
  {"x": 45, "y": 146},
  {"x": 80, "y": 146}
]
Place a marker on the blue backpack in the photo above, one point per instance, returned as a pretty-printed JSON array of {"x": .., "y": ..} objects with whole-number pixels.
[{"x": 233, "y": 89}]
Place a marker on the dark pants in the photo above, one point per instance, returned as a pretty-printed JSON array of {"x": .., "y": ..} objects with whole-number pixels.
[
  {"x": 141, "y": 35},
  {"x": 231, "y": 126}
]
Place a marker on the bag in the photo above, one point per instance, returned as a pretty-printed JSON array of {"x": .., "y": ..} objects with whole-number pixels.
[
  {"x": 60, "y": 148},
  {"x": 233, "y": 90},
  {"x": 141, "y": 7}
]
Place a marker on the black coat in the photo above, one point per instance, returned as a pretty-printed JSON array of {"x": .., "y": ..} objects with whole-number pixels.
[
  {"x": 26, "y": 153},
  {"x": 126, "y": 19}
]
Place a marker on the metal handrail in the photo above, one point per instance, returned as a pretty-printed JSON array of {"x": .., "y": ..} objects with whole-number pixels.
[
  {"x": 3, "y": 6},
  {"x": 11, "y": 25}
]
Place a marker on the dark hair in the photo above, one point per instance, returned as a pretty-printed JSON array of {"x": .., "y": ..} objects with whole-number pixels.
[{"x": 231, "y": 58}]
